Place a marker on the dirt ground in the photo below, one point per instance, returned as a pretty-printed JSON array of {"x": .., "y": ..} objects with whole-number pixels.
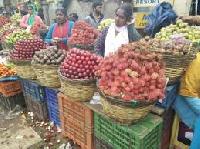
[
  {"x": 15, "y": 132},
  {"x": 19, "y": 130}
]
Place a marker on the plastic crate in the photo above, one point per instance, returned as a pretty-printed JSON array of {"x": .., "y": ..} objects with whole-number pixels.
[
  {"x": 52, "y": 105},
  {"x": 9, "y": 103},
  {"x": 145, "y": 134},
  {"x": 38, "y": 108},
  {"x": 10, "y": 88},
  {"x": 76, "y": 122},
  {"x": 33, "y": 89},
  {"x": 100, "y": 144}
]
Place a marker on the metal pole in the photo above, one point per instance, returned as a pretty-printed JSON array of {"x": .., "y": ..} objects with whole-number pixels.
[{"x": 196, "y": 7}]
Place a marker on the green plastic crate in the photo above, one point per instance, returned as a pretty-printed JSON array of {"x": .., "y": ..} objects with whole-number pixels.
[{"x": 145, "y": 134}]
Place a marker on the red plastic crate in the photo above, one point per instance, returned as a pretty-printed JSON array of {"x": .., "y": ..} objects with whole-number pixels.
[
  {"x": 10, "y": 88},
  {"x": 76, "y": 122}
]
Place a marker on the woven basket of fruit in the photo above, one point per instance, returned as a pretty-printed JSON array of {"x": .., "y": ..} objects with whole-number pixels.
[
  {"x": 78, "y": 90},
  {"x": 22, "y": 55},
  {"x": 77, "y": 74},
  {"x": 176, "y": 64},
  {"x": 179, "y": 47},
  {"x": 51, "y": 78},
  {"x": 25, "y": 72},
  {"x": 125, "y": 112},
  {"x": 39, "y": 71},
  {"x": 24, "y": 69},
  {"x": 45, "y": 63},
  {"x": 177, "y": 53},
  {"x": 130, "y": 82}
]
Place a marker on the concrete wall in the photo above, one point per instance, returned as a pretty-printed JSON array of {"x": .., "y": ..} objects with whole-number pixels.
[{"x": 84, "y": 8}]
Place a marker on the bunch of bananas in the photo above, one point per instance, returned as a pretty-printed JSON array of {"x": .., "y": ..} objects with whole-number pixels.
[{"x": 105, "y": 23}]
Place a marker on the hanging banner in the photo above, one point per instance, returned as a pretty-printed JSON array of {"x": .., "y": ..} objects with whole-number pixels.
[{"x": 145, "y": 3}]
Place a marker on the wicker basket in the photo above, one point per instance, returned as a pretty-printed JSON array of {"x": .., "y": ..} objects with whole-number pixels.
[
  {"x": 176, "y": 64},
  {"x": 51, "y": 78},
  {"x": 78, "y": 90},
  {"x": 124, "y": 112},
  {"x": 24, "y": 69},
  {"x": 6, "y": 46},
  {"x": 39, "y": 71}
]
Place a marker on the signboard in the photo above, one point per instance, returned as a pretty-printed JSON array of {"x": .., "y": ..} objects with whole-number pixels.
[
  {"x": 140, "y": 22},
  {"x": 145, "y": 3}
]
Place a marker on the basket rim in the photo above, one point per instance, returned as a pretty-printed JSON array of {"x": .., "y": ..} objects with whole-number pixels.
[
  {"x": 75, "y": 80},
  {"x": 117, "y": 101},
  {"x": 28, "y": 62},
  {"x": 44, "y": 65}
]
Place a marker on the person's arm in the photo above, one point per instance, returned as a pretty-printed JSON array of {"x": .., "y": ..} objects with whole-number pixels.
[
  {"x": 99, "y": 46},
  {"x": 23, "y": 22},
  {"x": 39, "y": 21},
  {"x": 133, "y": 34},
  {"x": 48, "y": 38}
]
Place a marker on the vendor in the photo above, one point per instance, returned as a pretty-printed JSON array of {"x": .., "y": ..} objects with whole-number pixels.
[
  {"x": 59, "y": 32},
  {"x": 95, "y": 17},
  {"x": 187, "y": 103},
  {"x": 118, "y": 33},
  {"x": 28, "y": 20}
]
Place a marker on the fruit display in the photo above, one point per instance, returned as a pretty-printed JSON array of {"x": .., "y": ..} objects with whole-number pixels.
[
  {"x": 79, "y": 64},
  {"x": 105, "y": 23},
  {"x": 83, "y": 34},
  {"x": 6, "y": 30},
  {"x": 3, "y": 21},
  {"x": 176, "y": 45},
  {"x": 15, "y": 18},
  {"x": 132, "y": 73},
  {"x": 17, "y": 35},
  {"x": 49, "y": 56},
  {"x": 6, "y": 71},
  {"x": 180, "y": 27},
  {"x": 25, "y": 49}
]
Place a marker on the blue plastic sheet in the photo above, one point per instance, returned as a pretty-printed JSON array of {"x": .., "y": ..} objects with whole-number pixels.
[
  {"x": 162, "y": 16},
  {"x": 12, "y": 78}
]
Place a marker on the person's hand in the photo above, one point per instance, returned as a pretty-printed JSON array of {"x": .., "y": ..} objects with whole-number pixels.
[
  {"x": 28, "y": 28},
  {"x": 57, "y": 40}
]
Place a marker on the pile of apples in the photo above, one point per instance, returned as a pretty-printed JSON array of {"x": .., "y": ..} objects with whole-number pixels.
[
  {"x": 79, "y": 64},
  {"x": 25, "y": 49}
]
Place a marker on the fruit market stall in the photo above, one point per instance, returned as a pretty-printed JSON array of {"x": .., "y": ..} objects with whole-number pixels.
[{"x": 99, "y": 102}]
